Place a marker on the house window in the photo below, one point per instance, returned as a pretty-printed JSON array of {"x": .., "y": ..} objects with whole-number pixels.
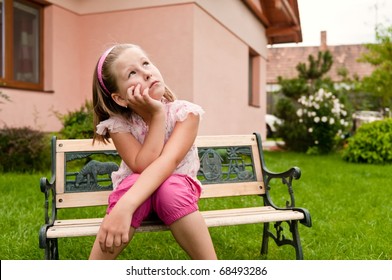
[
  {"x": 254, "y": 79},
  {"x": 21, "y": 44}
]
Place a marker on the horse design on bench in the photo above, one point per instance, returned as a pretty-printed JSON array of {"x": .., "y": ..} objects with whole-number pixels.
[{"x": 88, "y": 175}]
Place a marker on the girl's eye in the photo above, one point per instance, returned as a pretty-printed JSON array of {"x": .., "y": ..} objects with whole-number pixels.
[
  {"x": 131, "y": 74},
  {"x": 146, "y": 63}
]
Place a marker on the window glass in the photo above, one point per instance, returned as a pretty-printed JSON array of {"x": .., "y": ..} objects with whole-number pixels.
[
  {"x": 26, "y": 43},
  {"x": 254, "y": 79}
]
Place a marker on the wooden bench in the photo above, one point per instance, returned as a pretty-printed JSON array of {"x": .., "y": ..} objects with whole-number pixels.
[{"x": 229, "y": 166}]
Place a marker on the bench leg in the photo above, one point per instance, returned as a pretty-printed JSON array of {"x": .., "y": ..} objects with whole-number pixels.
[
  {"x": 296, "y": 240},
  {"x": 264, "y": 244},
  {"x": 49, "y": 245},
  {"x": 52, "y": 249},
  {"x": 280, "y": 238}
]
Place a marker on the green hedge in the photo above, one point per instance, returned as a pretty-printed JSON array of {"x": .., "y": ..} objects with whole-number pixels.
[
  {"x": 24, "y": 150},
  {"x": 372, "y": 143}
]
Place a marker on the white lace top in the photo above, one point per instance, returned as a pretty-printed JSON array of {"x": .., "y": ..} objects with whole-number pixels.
[{"x": 176, "y": 111}]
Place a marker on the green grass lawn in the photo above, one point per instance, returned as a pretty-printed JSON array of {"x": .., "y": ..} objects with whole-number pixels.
[{"x": 350, "y": 204}]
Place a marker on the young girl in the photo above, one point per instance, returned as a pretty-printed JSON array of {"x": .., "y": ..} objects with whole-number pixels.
[{"x": 154, "y": 134}]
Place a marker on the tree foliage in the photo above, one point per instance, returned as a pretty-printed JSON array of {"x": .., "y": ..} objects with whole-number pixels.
[
  {"x": 316, "y": 67},
  {"x": 379, "y": 55}
]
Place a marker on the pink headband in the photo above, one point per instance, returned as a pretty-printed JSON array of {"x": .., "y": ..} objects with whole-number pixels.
[{"x": 99, "y": 69}]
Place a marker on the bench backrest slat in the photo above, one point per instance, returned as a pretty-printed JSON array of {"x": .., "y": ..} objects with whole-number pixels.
[{"x": 230, "y": 166}]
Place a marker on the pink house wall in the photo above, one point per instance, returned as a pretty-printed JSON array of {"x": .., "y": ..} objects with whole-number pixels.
[
  {"x": 221, "y": 79},
  {"x": 201, "y": 57}
]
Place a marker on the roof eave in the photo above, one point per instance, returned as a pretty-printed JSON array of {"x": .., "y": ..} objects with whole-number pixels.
[{"x": 280, "y": 18}]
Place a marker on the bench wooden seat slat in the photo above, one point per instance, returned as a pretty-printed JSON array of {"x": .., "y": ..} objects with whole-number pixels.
[
  {"x": 214, "y": 218},
  {"x": 230, "y": 166}
]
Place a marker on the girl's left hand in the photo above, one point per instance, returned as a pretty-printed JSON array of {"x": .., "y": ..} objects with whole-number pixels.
[
  {"x": 142, "y": 100},
  {"x": 114, "y": 230}
]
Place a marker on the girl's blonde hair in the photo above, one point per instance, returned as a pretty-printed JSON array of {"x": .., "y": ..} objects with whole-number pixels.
[{"x": 104, "y": 83}]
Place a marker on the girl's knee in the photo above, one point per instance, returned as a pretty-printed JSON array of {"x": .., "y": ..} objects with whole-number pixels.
[{"x": 176, "y": 198}]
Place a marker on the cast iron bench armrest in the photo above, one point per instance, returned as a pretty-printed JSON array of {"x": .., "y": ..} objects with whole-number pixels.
[{"x": 287, "y": 178}]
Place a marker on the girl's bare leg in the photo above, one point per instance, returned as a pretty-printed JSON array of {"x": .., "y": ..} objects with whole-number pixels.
[
  {"x": 192, "y": 234},
  {"x": 97, "y": 254}
]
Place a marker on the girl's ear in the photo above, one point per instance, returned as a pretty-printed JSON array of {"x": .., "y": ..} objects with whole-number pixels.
[{"x": 119, "y": 100}]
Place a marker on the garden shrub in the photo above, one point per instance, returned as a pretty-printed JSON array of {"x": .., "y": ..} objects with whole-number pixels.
[
  {"x": 292, "y": 132},
  {"x": 314, "y": 124},
  {"x": 372, "y": 143},
  {"x": 78, "y": 124},
  {"x": 24, "y": 150}
]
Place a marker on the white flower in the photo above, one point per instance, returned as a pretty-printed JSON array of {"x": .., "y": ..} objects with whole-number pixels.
[
  {"x": 299, "y": 112},
  {"x": 316, "y": 119},
  {"x": 310, "y": 129},
  {"x": 324, "y": 119},
  {"x": 331, "y": 121}
]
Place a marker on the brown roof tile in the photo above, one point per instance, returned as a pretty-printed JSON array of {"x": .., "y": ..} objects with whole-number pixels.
[{"x": 283, "y": 61}]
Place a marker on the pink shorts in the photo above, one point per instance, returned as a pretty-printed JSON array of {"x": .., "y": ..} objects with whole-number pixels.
[{"x": 175, "y": 198}]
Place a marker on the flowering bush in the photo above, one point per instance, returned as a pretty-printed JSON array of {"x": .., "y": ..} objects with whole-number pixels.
[{"x": 324, "y": 117}]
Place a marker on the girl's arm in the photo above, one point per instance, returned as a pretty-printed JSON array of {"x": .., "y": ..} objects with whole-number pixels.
[
  {"x": 135, "y": 155},
  {"x": 138, "y": 156},
  {"x": 115, "y": 228}
]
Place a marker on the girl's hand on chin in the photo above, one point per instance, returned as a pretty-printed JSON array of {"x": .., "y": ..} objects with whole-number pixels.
[{"x": 142, "y": 100}]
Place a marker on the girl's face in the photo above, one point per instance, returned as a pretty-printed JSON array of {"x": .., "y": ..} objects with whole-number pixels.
[{"x": 132, "y": 67}]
